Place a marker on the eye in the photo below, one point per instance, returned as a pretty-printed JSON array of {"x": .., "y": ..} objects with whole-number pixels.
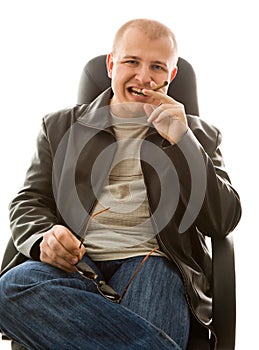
[
  {"x": 131, "y": 62},
  {"x": 157, "y": 67}
]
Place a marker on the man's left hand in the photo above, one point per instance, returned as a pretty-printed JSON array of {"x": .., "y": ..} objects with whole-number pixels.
[{"x": 168, "y": 117}]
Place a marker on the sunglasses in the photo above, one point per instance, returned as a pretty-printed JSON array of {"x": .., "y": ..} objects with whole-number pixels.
[{"x": 103, "y": 288}]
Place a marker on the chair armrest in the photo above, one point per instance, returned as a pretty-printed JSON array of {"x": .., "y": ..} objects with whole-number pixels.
[{"x": 224, "y": 292}]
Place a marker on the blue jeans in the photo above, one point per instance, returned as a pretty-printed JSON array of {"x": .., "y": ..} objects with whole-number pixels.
[{"x": 42, "y": 307}]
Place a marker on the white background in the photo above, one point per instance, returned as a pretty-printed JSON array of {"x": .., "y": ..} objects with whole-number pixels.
[{"x": 44, "y": 46}]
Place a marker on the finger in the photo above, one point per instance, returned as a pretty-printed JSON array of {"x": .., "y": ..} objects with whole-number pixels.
[
  {"x": 162, "y": 115},
  {"x": 60, "y": 244},
  {"x": 159, "y": 96},
  {"x": 67, "y": 239},
  {"x": 154, "y": 114},
  {"x": 49, "y": 256},
  {"x": 73, "y": 255},
  {"x": 62, "y": 253},
  {"x": 53, "y": 249}
]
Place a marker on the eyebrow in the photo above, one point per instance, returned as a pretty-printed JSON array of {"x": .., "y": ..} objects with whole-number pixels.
[{"x": 138, "y": 58}]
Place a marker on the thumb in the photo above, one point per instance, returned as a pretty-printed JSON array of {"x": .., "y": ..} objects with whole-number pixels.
[{"x": 81, "y": 252}]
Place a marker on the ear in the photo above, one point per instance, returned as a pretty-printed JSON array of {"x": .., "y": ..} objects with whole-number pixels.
[
  {"x": 173, "y": 74},
  {"x": 109, "y": 64}
]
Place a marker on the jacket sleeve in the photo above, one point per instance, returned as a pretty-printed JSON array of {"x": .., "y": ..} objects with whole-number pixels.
[
  {"x": 211, "y": 203},
  {"x": 33, "y": 210}
]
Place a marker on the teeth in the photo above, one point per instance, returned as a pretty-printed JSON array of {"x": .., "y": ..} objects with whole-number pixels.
[{"x": 137, "y": 91}]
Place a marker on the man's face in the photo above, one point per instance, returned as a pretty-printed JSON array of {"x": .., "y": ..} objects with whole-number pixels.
[{"x": 137, "y": 62}]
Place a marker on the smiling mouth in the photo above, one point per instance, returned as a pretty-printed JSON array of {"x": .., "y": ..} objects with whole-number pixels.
[{"x": 136, "y": 91}]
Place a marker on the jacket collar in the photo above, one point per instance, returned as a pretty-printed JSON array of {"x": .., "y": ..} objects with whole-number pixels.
[{"x": 97, "y": 114}]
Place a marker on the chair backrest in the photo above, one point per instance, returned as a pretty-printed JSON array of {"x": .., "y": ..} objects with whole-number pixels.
[{"x": 94, "y": 80}]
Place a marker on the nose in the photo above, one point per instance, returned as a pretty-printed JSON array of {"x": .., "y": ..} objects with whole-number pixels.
[{"x": 143, "y": 74}]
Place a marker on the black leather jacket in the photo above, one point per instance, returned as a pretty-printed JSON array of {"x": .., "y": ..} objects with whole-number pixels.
[{"x": 189, "y": 191}]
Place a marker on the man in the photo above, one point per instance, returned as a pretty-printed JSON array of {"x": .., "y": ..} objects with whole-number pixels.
[{"x": 128, "y": 177}]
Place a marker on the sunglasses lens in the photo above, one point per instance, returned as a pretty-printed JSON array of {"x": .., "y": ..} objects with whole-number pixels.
[
  {"x": 108, "y": 292},
  {"x": 103, "y": 288},
  {"x": 85, "y": 270}
]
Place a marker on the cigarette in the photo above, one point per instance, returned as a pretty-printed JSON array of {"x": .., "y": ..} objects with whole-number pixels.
[{"x": 160, "y": 86}]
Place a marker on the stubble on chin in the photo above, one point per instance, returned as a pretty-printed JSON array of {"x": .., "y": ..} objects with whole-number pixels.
[{"x": 128, "y": 109}]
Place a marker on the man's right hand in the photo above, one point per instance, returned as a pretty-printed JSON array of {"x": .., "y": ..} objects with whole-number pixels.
[{"x": 60, "y": 248}]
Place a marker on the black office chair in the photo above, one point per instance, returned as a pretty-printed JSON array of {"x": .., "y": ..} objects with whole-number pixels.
[{"x": 94, "y": 80}]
